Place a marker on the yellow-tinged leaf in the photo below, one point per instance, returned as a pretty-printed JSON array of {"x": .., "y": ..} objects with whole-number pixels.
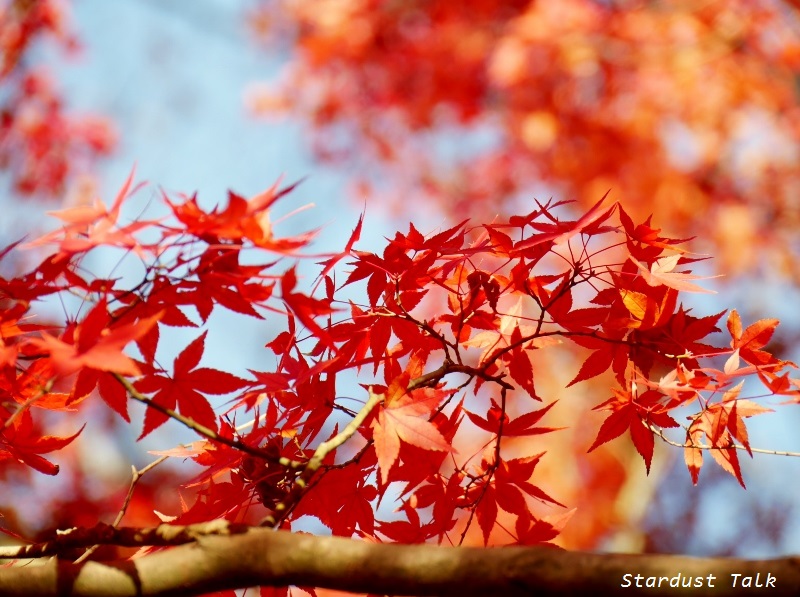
[{"x": 635, "y": 302}]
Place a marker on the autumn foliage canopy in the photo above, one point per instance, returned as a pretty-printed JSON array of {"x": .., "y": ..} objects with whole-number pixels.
[
  {"x": 687, "y": 110},
  {"x": 443, "y": 330}
]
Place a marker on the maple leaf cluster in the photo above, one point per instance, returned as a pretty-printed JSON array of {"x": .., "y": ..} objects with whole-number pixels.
[{"x": 440, "y": 330}]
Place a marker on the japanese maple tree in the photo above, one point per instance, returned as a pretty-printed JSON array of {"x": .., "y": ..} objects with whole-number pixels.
[{"x": 390, "y": 406}]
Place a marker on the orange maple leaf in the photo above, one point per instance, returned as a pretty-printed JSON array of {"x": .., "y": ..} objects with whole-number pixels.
[
  {"x": 660, "y": 273},
  {"x": 402, "y": 418},
  {"x": 95, "y": 346}
]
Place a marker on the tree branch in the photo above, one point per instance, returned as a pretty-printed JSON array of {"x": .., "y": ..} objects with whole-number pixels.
[
  {"x": 135, "y": 478},
  {"x": 325, "y": 448},
  {"x": 279, "y": 558},
  {"x": 201, "y": 429},
  {"x": 163, "y": 535}
]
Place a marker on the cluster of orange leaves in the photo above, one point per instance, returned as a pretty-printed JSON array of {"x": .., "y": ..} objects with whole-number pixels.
[{"x": 687, "y": 110}]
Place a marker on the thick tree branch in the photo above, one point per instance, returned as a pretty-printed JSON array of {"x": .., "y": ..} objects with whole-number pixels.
[
  {"x": 279, "y": 558},
  {"x": 103, "y": 534}
]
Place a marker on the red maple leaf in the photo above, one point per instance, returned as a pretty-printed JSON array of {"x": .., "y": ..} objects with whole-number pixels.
[
  {"x": 750, "y": 341},
  {"x": 241, "y": 220},
  {"x": 88, "y": 227},
  {"x": 185, "y": 388},
  {"x": 342, "y": 501},
  {"x": 20, "y": 440},
  {"x": 521, "y": 426},
  {"x": 560, "y": 232},
  {"x": 634, "y": 415},
  {"x": 720, "y": 424},
  {"x": 305, "y": 307},
  {"x": 95, "y": 344},
  {"x": 402, "y": 418}
]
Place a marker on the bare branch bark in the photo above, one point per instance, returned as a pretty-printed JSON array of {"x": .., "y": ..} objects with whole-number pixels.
[{"x": 279, "y": 558}]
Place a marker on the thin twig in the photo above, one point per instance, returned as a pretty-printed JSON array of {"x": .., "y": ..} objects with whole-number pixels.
[
  {"x": 137, "y": 474},
  {"x": 203, "y": 430},
  {"x": 660, "y": 433}
]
